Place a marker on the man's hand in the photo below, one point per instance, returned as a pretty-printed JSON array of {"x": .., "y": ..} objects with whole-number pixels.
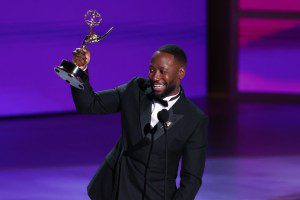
[{"x": 81, "y": 57}]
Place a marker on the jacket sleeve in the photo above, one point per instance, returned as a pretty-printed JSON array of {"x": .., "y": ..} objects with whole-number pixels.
[
  {"x": 193, "y": 163},
  {"x": 103, "y": 102}
]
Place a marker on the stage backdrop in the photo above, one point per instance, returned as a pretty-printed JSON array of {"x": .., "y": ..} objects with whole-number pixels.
[
  {"x": 37, "y": 35},
  {"x": 269, "y": 46}
]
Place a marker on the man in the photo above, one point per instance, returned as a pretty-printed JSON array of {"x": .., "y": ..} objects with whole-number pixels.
[{"x": 123, "y": 174}]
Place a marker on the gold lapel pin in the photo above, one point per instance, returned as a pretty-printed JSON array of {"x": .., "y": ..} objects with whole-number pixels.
[{"x": 168, "y": 123}]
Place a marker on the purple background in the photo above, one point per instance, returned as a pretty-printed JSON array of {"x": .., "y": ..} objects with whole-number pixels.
[
  {"x": 37, "y": 35},
  {"x": 253, "y": 152}
]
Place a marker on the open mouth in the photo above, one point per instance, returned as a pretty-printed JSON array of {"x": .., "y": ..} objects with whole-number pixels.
[{"x": 158, "y": 87}]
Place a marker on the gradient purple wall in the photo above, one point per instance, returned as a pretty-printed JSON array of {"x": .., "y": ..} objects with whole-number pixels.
[
  {"x": 269, "y": 55},
  {"x": 269, "y": 49},
  {"x": 270, "y": 5},
  {"x": 37, "y": 35}
]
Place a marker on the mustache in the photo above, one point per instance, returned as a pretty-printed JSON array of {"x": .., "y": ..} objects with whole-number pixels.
[{"x": 157, "y": 82}]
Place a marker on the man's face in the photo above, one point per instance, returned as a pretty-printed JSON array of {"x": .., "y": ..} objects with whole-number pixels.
[{"x": 165, "y": 73}]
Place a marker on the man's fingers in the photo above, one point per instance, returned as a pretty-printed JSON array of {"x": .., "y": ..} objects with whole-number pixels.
[
  {"x": 81, "y": 57},
  {"x": 76, "y": 54},
  {"x": 84, "y": 59},
  {"x": 79, "y": 61},
  {"x": 81, "y": 50}
]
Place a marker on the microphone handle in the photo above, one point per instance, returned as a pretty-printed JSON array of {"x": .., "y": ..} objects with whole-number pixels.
[
  {"x": 147, "y": 166},
  {"x": 166, "y": 160}
]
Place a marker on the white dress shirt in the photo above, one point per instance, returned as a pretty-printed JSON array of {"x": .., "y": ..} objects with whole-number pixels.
[{"x": 156, "y": 107}]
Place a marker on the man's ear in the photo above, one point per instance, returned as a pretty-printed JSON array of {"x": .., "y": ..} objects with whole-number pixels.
[{"x": 181, "y": 73}]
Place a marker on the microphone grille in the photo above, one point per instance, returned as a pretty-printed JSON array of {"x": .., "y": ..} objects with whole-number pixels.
[{"x": 163, "y": 116}]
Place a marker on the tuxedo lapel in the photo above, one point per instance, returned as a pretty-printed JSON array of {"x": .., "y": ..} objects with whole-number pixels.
[
  {"x": 146, "y": 140},
  {"x": 145, "y": 118},
  {"x": 175, "y": 115},
  {"x": 145, "y": 110},
  {"x": 173, "y": 119}
]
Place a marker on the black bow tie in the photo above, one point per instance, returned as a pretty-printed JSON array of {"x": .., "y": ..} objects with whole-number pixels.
[
  {"x": 164, "y": 102},
  {"x": 161, "y": 101}
]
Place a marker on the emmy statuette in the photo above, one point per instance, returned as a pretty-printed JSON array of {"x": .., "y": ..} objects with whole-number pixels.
[{"x": 67, "y": 70}]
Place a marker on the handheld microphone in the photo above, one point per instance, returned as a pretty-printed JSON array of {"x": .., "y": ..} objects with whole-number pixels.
[
  {"x": 148, "y": 129},
  {"x": 163, "y": 117}
]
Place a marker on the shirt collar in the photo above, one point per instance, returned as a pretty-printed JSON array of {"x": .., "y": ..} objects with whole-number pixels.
[{"x": 170, "y": 97}]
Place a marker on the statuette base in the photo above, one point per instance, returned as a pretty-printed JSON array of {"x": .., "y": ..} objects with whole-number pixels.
[{"x": 71, "y": 73}]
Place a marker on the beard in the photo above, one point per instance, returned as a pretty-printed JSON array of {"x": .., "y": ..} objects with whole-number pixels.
[{"x": 171, "y": 87}]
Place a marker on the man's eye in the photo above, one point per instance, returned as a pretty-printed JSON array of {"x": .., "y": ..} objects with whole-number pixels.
[
  {"x": 151, "y": 70},
  {"x": 163, "y": 71}
]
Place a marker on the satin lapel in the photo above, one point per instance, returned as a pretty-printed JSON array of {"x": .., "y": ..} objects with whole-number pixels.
[
  {"x": 175, "y": 115},
  {"x": 145, "y": 117},
  {"x": 145, "y": 111},
  {"x": 173, "y": 119}
]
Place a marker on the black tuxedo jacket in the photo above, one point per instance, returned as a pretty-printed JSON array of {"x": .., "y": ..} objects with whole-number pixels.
[{"x": 121, "y": 175}]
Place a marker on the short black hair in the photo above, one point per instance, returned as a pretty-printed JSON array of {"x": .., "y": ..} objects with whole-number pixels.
[{"x": 176, "y": 51}]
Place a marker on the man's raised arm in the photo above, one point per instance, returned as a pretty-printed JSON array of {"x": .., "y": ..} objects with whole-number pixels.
[{"x": 89, "y": 102}]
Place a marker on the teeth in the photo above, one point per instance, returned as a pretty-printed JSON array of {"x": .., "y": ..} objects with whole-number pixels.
[{"x": 158, "y": 86}]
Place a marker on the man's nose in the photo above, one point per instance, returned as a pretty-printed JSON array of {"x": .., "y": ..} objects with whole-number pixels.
[{"x": 156, "y": 76}]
